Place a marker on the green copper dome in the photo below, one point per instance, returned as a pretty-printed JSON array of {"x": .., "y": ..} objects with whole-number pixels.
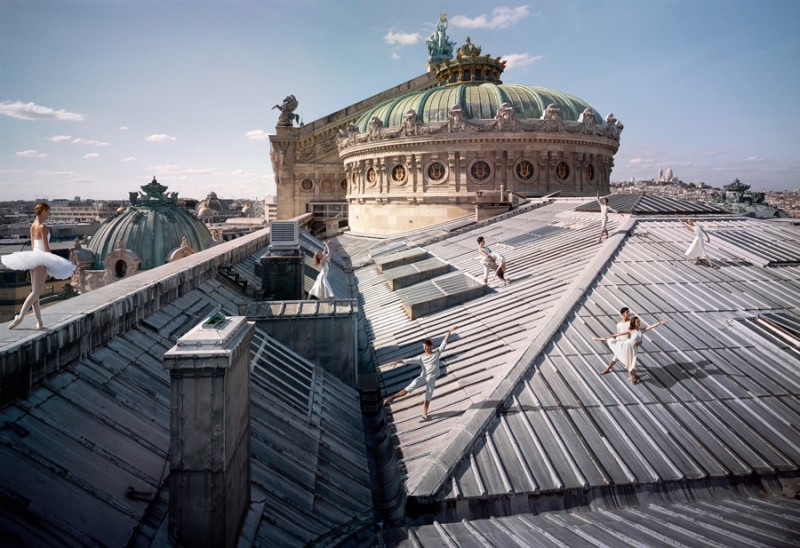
[
  {"x": 472, "y": 82},
  {"x": 478, "y": 102},
  {"x": 152, "y": 227}
]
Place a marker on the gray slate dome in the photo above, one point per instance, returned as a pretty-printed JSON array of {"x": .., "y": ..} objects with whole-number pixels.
[
  {"x": 152, "y": 227},
  {"x": 213, "y": 204}
]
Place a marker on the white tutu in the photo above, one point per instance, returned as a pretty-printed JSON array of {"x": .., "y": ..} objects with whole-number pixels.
[{"x": 57, "y": 267}]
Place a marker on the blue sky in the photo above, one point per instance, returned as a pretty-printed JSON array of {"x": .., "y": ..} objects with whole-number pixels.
[{"x": 97, "y": 96}]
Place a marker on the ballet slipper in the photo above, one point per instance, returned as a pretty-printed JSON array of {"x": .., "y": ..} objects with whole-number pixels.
[
  {"x": 40, "y": 327},
  {"x": 608, "y": 369},
  {"x": 15, "y": 322},
  {"x": 424, "y": 417},
  {"x": 633, "y": 378}
]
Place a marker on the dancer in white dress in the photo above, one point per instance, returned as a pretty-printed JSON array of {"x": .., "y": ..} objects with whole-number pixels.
[
  {"x": 485, "y": 257},
  {"x": 40, "y": 262},
  {"x": 497, "y": 264},
  {"x": 697, "y": 250},
  {"x": 604, "y": 209},
  {"x": 624, "y": 348},
  {"x": 322, "y": 288},
  {"x": 622, "y": 327},
  {"x": 429, "y": 364}
]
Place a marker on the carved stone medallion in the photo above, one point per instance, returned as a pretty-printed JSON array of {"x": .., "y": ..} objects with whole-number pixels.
[
  {"x": 524, "y": 171},
  {"x": 399, "y": 173},
  {"x": 480, "y": 171},
  {"x": 562, "y": 171},
  {"x": 436, "y": 172}
]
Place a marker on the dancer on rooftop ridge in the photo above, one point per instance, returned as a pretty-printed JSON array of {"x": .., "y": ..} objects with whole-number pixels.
[{"x": 40, "y": 262}]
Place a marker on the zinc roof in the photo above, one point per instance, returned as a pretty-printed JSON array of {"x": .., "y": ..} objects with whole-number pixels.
[
  {"x": 752, "y": 521},
  {"x": 84, "y": 458},
  {"x": 520, "y": 407}
]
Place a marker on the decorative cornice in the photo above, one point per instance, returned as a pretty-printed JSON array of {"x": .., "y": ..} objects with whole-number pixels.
[{"x": 504, "y": 121}]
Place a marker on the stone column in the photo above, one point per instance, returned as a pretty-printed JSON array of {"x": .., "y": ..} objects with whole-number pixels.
[{"x": 209, "y": 480}]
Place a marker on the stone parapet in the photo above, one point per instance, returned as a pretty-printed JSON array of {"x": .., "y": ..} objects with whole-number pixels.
[{"x": 78, "y": 326}]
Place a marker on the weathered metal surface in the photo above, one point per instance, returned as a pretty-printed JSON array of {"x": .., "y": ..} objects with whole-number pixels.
[
  {"x": 85, "y": 454},
  {"x": 399, "y": 258},
  {"x": 711, "y": 402},
  {"x": 768, "y": 521}
]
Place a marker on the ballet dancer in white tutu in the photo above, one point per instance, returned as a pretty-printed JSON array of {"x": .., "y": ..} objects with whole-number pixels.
[
  {"x": 40, "y": 262},
  {"x": 624, "y": 345}
]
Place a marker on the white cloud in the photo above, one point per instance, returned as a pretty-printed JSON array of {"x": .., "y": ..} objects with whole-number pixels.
[
  {"x": 77, "y": 140},
  {"x": 395, "y": 56},
  {"x": 173, "y": 170},
  {"x": 123, "y": 128},
  {"x": 755, "y": 159},
  {"x": 130, "y": 159},
  {"x": 162, "y": 138},
  {"x": 32, "y": 111},
  {"x": 257, "y": 135},
  {"x": 90, "y": 142},
  {"x": 501, "y": 18},
  {"x": 91, "y": 156},
  {"x": 57, "y": 173},
  {"x": 520, "y": 60},
  {"x": 31, "y": 154},
  {"x": 401, "y": 38},
  {"x": 713, "y": 152}
]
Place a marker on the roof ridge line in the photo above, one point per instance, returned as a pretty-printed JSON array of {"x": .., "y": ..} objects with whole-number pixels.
[{"x": 466, "y": 434}]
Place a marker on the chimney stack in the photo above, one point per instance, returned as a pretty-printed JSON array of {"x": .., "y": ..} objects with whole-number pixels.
[{"x": 209, "y": 481}]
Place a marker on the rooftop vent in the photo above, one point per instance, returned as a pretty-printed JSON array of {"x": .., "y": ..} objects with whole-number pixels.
[{"x": 283, "y": 235}]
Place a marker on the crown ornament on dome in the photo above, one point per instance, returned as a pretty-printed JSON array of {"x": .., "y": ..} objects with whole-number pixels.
[
  {"x": 468, "y": 50},
  {"x": 470, "y": 66},
  {"x": 153, "y": 195}
]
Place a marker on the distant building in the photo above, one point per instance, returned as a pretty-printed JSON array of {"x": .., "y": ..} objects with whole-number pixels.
[
  {"x": 271, "y": 208},
  {"x": 737, "y": 198},
  {"x": 152, "y": 231},
  {"x": 213, "y": 210}
]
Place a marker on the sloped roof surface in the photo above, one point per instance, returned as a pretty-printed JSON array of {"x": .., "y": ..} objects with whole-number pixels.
[
  {"x": 652, "y": 204},
  {"x": 727, "y": 522},
  {"x": 309, "y": 462},
  {"x": 712, "y": 401},
  {"x": 84, "y": 455},
  {"x": 525, "y": 350},
  {"x": 71, "y": 451},
  {"x": 491, "y": 328}
]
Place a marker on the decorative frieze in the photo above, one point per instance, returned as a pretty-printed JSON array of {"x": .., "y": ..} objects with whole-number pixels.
[{"x": 505, "y": 120}]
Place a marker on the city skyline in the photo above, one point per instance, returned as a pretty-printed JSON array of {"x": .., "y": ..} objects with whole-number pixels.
[{"x": 98, "y": 97}]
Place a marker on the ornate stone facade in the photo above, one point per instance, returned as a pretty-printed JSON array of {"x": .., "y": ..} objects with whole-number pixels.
[{"x": 425, "y": 156}]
